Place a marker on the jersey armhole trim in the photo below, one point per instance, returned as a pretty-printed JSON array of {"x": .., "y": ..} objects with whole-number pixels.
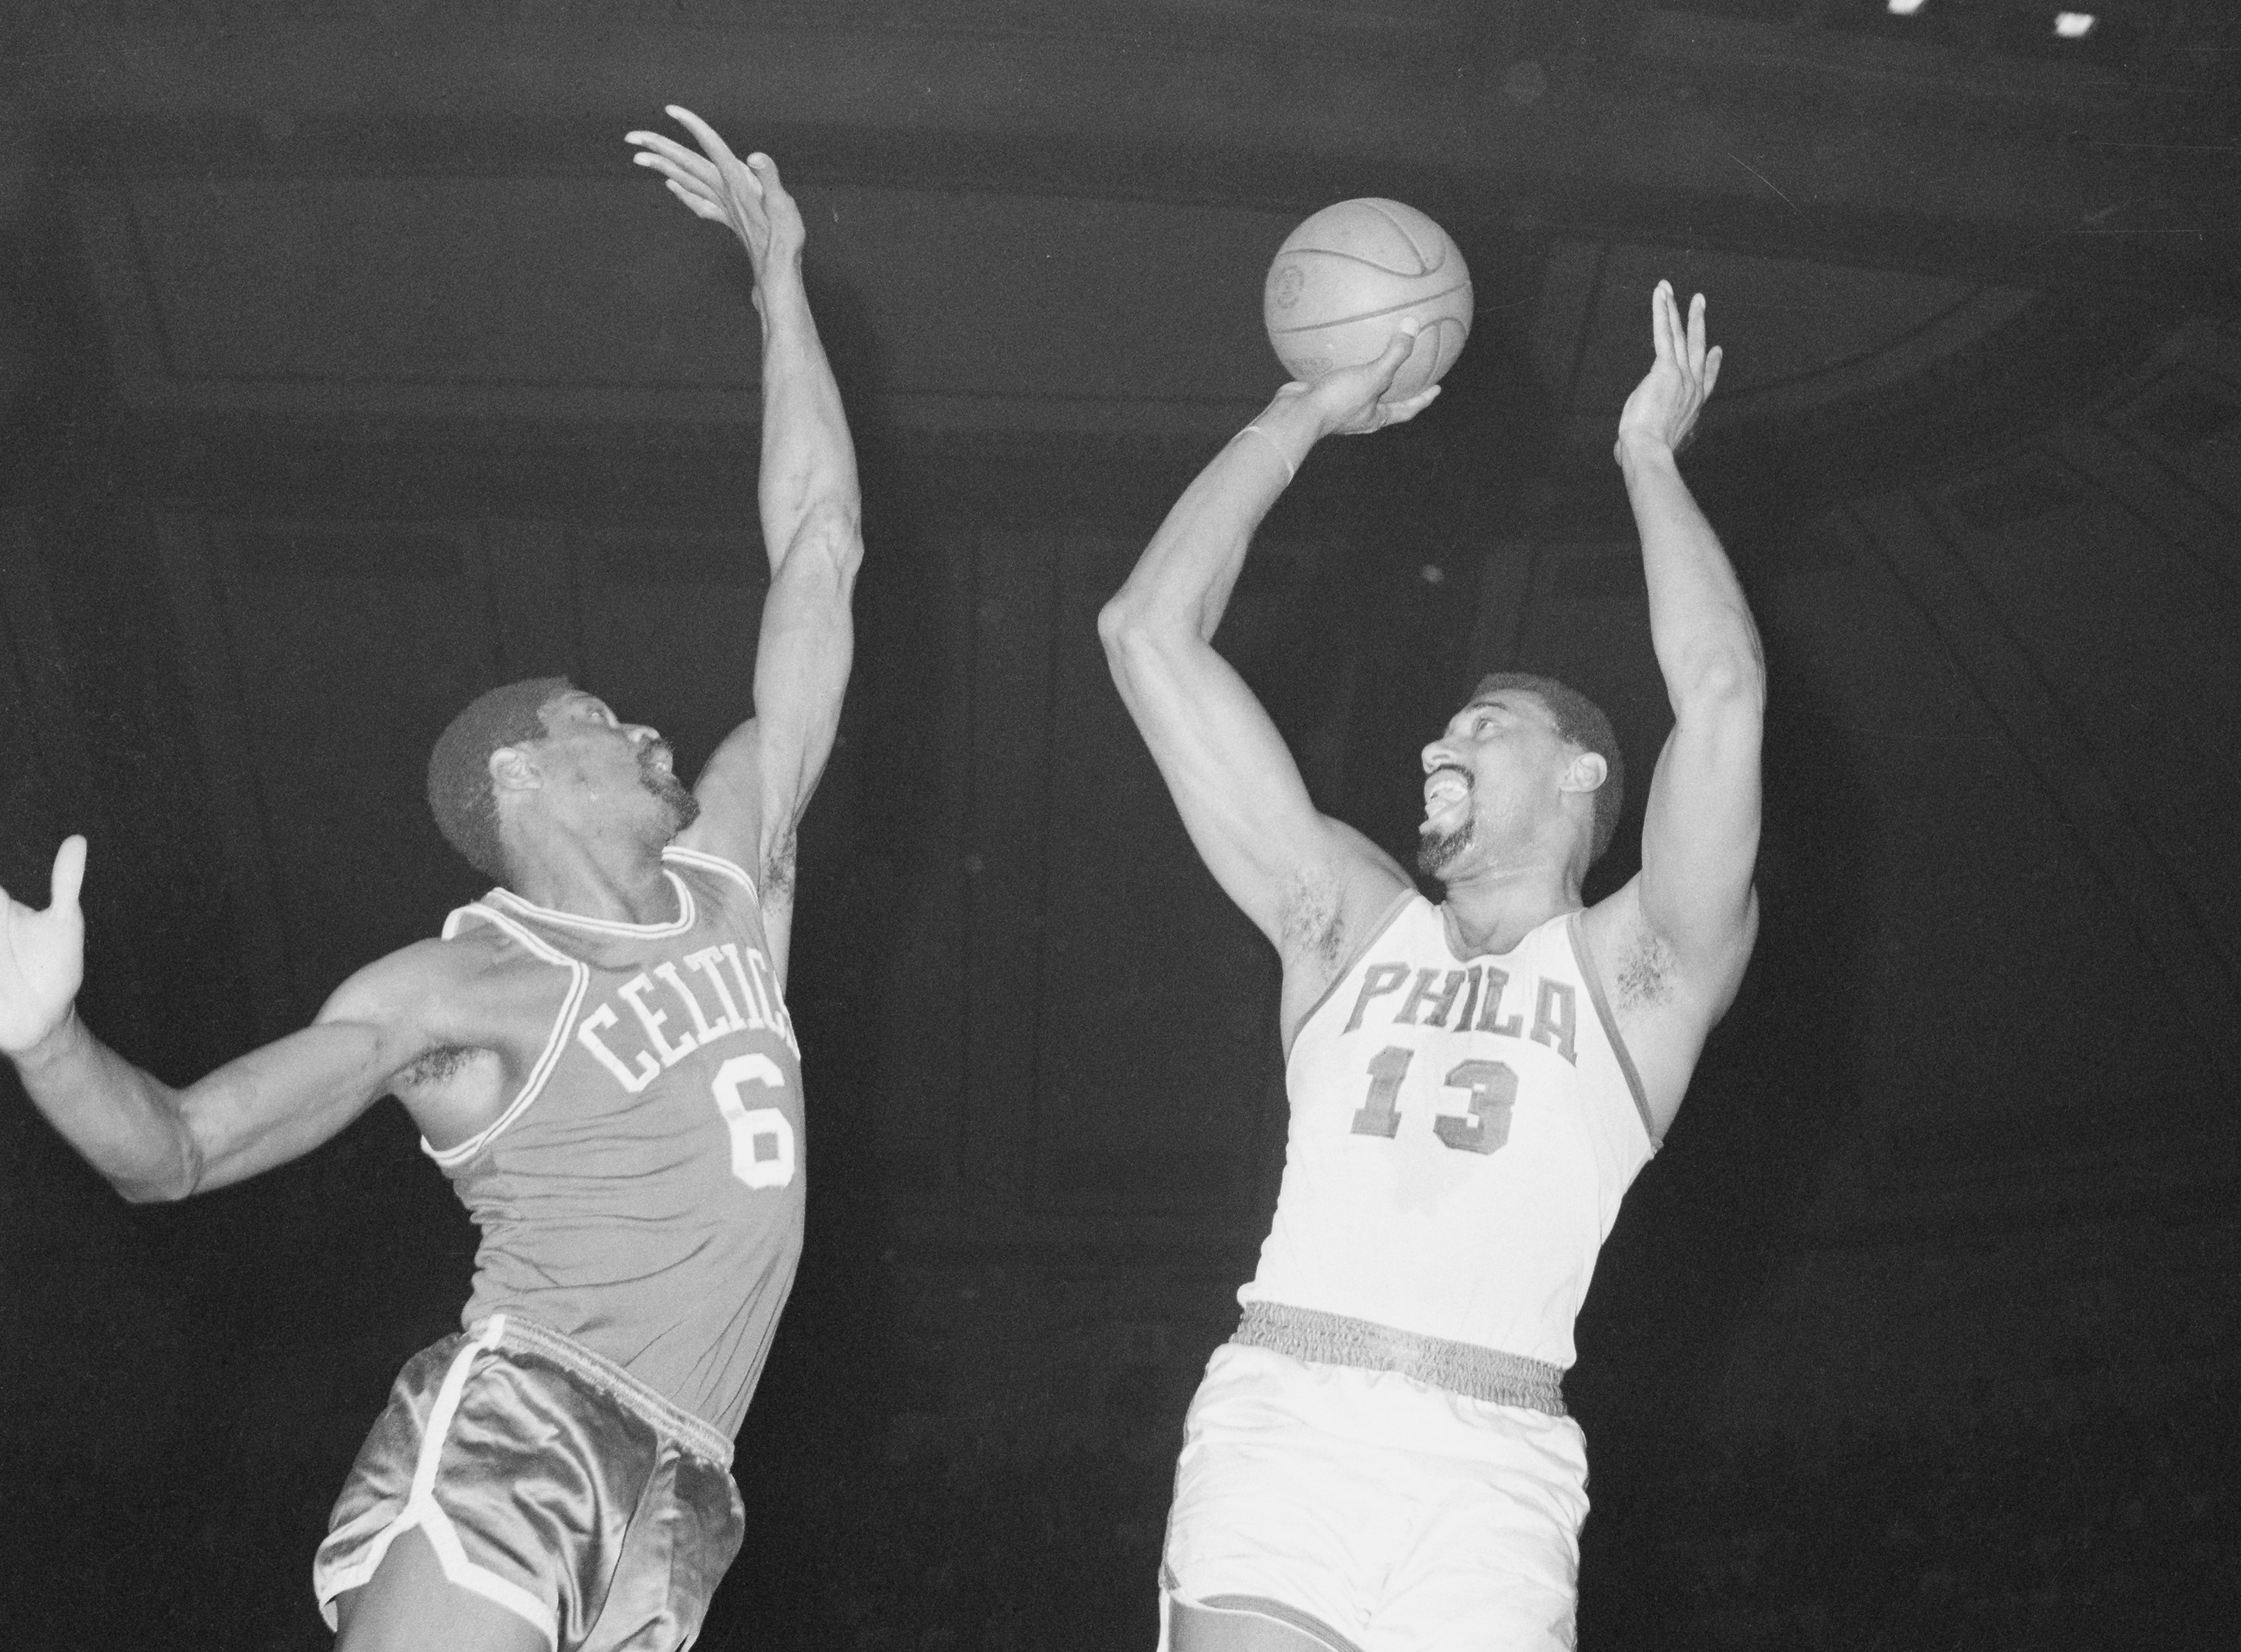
[
  {"x": 1385, "y": 921},
  {"x": 555, "y": 1043},
  {"x": 1586, "y": 959},
  {"x": 717, "y": 864}
]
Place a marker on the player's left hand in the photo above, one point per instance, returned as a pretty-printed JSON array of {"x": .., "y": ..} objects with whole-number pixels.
[
  {"x": 717, "y": 185},
  {"x": 1662, "y": 409}
]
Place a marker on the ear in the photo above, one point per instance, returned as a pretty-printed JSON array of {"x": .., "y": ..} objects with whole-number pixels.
[
  {"x": 1585, "y": 773},
  {"x": 512, "y": 769}
]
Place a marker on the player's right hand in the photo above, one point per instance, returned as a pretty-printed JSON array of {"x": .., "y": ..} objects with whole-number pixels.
[
  {"x": 1345, "y": 400},
  {"x": 42, "y": 955}
]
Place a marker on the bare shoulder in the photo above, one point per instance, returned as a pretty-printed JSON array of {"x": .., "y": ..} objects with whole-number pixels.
[
  {"x": 404, "y": 983},
  {"x": 469, "y": 990},
  {"x": 461, "y": 1022}
]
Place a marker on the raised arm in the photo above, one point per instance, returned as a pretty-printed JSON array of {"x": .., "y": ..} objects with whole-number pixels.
[
  {"x": 1292, "y": 870},
  {"x": 755, "y": 787},
  {"x": 1693, "y": 913},
  {"x": 154, "y": 1142}
]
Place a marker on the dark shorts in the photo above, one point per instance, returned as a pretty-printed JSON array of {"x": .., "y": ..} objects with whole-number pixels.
[{"x": 548, "y": 1480}]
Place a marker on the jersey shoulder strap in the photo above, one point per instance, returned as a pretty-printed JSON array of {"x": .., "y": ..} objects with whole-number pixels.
[
  {"x": 1583, "y": 957},
  {"x": 1386, "y": 920},
  {"x": 475, "y": 914}
]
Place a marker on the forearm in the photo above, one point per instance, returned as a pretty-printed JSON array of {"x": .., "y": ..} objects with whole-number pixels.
[
  {"x": 1700, "y": 624},
  {"x": 1186, "y": 575},
  {"x": 124, "y": 1122},
  {"x": 808, "y": 462}
]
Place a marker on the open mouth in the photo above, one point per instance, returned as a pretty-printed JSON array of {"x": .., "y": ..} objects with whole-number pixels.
[{"x": 1447, "y": 795}]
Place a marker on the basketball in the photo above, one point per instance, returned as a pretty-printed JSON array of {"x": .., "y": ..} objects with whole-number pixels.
[{"x": 1349, "y": 276}]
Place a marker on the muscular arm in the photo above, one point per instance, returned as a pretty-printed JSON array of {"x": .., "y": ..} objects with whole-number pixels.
[
  {"x": 1700, "y": 836},
  {"x": 1682, "y": 932},
  {"x": 153, "y": 1142},
  {"x": 1289, "y": 868},
  {"x": 272, "y": 1105},
  {"x": 755, "y": 787}
]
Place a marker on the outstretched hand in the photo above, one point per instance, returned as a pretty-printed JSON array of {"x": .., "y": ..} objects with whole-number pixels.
[
  {"x": 42, "y": 955},
  {"x": 1345, "y": 400},
  {"x": 719, "y": 186},
  {"x": 1663, "y": 407}
]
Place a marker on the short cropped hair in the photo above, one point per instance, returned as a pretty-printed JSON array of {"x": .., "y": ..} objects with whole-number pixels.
[
  {"x": 1580, "y": 722},
  {"x": 460, "y": 791}
]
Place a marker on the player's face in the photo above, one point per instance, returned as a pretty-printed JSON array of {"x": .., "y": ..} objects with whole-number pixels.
[
  {"x": 1496, "y": 756},
  {"x": 611, "y": 761}
]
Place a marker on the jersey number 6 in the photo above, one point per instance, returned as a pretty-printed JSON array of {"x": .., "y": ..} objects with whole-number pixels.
[
  {"x": 762, "y": 1138},
  {"x": 1493, "y": 1089}
]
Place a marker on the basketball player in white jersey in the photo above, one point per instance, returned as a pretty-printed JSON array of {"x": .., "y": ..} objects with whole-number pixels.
[
  {"x": 1380, "y": 1459},
  {"x": 597, "y": 1054}
]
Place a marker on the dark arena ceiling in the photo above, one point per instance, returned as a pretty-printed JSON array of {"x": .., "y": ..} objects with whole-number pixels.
[{"x": 347, "y": 365}]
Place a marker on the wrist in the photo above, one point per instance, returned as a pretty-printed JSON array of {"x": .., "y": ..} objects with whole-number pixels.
[
  {"x": 1639, "y": 448},
  {"x": 52, "y": 1047},
  {"x": 1294, "y": 421}
]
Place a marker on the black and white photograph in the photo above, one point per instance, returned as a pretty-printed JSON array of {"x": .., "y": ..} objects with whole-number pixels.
[{"x": 1136, "y": 825}]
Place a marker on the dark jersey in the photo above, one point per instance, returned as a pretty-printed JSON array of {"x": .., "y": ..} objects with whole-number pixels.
[{"x": 643, "y": 1192}]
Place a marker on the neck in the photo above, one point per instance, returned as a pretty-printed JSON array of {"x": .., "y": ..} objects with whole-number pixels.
[
  {"x": 1490, "y": 909},
  {"x": 618, "y": 881}
]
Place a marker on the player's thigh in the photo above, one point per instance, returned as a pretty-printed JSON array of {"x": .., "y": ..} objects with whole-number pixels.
[
  {"x": 1205, "y": 1629},
  {"x": 408, "y": 1605}
]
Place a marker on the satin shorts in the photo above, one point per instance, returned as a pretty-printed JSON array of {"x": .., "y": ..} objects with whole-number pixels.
[{"x": 549, "y": 1480}]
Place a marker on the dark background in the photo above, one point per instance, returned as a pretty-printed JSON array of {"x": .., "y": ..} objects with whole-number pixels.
[{"x": 348, "y": 366}]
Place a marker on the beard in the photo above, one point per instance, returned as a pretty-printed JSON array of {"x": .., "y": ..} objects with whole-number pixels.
[
  {"x": 683, "y": 806},
  {"x": 1433, "y": 854}
]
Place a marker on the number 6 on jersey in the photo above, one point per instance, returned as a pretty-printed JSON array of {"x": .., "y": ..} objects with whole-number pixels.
[{"x": 762, "y": 1138}]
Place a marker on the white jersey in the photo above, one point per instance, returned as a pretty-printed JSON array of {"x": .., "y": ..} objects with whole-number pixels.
[{"x": 1461, "y": 1133}]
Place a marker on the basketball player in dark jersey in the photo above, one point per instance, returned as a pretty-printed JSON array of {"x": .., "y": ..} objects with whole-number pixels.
[
  {"x": 598, "y": 1052},
  {"x": 1379, "y": 1460}
]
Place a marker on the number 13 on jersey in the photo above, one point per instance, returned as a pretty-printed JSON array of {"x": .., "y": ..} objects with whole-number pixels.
[{"x": 1492, "y": 1086}]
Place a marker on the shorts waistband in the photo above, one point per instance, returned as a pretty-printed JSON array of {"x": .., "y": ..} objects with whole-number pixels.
[
  {"x": 1459, "y": 1368},
  {"x": 696, "y": 1434}
]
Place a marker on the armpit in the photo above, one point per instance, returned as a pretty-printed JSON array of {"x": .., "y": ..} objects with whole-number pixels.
[
  {"x": 776, "y": 880},
  {"x": 1645, "y": 969},
  {"x": 437, "y": 1068},
  {"x": 1313, "y": 921}
]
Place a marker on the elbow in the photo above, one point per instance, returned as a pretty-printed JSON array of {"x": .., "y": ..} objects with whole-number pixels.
[
  {"x": 1135, "y": 636},
  {"x": 835, "y": 529},
  {"x": 184, "y": 1183},
  {"x": 1730, "y": 681},
  {"x": 1117, "y": 621},
  {"x": 181, "y": 1178}
]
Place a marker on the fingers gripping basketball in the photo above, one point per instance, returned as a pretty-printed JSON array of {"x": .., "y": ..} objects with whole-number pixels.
[{"x": 1344, "y": 281}]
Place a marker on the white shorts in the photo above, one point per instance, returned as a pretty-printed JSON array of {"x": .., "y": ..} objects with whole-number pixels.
[{"x": 1386, "y": 1512}]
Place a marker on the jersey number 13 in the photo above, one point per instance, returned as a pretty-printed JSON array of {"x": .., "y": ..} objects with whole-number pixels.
[{"x": 1491, "y": 1085}]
